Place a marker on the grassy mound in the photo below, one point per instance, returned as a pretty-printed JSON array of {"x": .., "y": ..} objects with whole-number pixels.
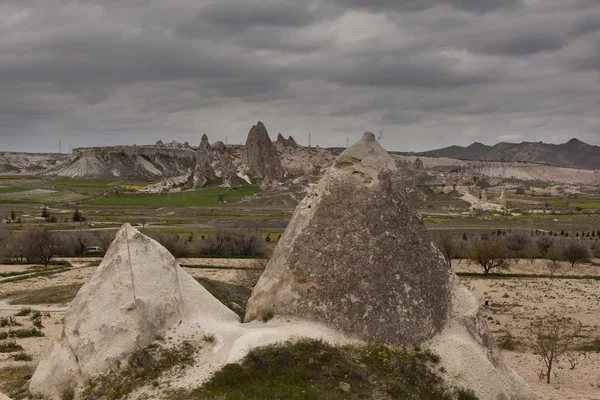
[{"x": 313, "y": 369}]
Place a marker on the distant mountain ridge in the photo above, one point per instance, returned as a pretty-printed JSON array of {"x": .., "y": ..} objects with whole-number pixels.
[{"x": 572, "y": 154}]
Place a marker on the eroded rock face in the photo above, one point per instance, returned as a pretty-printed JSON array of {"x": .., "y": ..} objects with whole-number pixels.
[
  {"x": 137, "y": 294},
  {"x": 261, "y": 154},
  {"x": 204, "y": 170},
  {"x": 356, "y": 256}
]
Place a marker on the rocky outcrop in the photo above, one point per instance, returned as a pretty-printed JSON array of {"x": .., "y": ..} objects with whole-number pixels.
[
  {"x": 502, "y": 200},
  {"x": 204, "y": 170},
  {"x": 137, "y": 294},
  {"x": 356, "y": 256},
  {"x": 327, "y": 266},
  {"x": 219, "y": 146},
  {"x": 261, "y": 155}
]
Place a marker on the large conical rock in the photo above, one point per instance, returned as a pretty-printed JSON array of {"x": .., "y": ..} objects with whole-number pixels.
[
  {"x": 137, "y": 294},
  {"x": 357, "y": 257},
  {"x": 261, "y": 154}
]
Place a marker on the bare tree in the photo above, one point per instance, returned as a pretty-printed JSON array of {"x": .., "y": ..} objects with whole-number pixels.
[
  {"x": 40, "y": 245},
  {"x": 553, "y": 257},
  {"x": 517, "y": 242},
  {"x": 78, "y": 241},
  {"x": 489, "y": 254},
  {"x": 553, "y": 337},
  {"x": 106, "y": 238},
  {"x": 575, "y": 251},
  {"x": 448, "y": 248},
  {"x": 173, "y": 244},
  {"x": 544, "y": 243}
]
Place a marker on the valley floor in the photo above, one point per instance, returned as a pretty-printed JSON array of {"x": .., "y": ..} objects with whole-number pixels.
[{"x": 512, "y": 304}]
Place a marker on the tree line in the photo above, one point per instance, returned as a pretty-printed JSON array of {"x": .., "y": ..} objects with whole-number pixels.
[{"x": 492, "y": 251}]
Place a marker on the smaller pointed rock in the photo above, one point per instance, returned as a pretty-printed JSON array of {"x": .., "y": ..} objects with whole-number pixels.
[{"x": 204, "y": 142}]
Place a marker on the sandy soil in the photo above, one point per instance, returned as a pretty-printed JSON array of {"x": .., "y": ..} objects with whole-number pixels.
[
  {"x": 221, "y": 262},
  {"x": 537, "y": 267},
  {"x": 516, "y": 302}
]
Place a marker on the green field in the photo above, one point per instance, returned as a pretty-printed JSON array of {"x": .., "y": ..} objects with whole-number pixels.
[
  {"x": 13, "y": 189},
  {"x": 200, "y": 197},
  {"x": 584, "y": 203}
]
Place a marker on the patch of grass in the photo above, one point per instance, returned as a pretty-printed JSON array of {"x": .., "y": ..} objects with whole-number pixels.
[
  {"x": 25, "y": 333},
  {"x": 15, "y": 380},
  {"x": 22, "y": 357},
  {"x": 193, "y": 198},
  {"x": 47, "y": 295},
  {"x": 19, "y": 273},
  {"x": 8, "y": 321},
  {"x": 313, "y": 369},
  {"x": 23, "y": 312},
  {"x": 144, "y": 366},
  {"x": 35, "y": 275},
  {"x": 267, "y": 315},
  {"x": 508, "y": 342},
  {"x": 10, "y": 347},
  {"x": 227, "y": 293},
  {"x": 13, "y": 189},
  {"x": 209, "y": 338},
  {"x": 592, "y": 346}
]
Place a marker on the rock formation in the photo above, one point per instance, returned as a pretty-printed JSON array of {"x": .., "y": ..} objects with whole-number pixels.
[
  {"x": 261, "y": 154},
  {"x": 418, "y": 165},
  {"x": 137, "y": 294},
  {"x": 204, "y": 170},
  {"x": 291, "y": 141},
  {"x": 327, "y": 266},
  {"x": 502, "y": 199},
  {"x": 219, "y": 146},
  {"x": 357, "y": 257},
  {"x": 484, "y": 195}
]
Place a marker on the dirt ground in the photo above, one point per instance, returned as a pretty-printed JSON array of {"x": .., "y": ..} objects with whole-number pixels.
[{"x": 513, "y": 304}]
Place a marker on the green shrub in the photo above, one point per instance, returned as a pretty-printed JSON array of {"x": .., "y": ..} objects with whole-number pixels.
[
  {"x": 22, "y": 357},
  {"x": 10, "y": 347},
  {"x": 23, "y": 312}
]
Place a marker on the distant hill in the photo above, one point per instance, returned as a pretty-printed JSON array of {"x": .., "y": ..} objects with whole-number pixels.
[{"x": 573, "y": 154}]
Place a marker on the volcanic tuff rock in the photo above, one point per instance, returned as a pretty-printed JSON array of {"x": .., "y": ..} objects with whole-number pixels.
[
  {"x": 261, "y": 154},
  {"x": 137, "y": 294},
  {"x": 357, "y": 257},
  {"x": 204, "y": 170},
  {"x": 327, "y": 266}
]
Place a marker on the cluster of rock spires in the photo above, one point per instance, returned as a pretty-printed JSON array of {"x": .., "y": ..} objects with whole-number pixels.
[
  {"x": 260, "y": 160},
  {"x": 355, "y": 258}
]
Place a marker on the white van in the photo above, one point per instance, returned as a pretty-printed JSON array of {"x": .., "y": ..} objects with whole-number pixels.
[{"x": 94, "y": 250}]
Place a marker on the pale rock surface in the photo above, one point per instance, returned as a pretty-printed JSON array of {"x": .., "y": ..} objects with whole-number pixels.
[
  {"x": 502, "y": 199},
  {"x": 357, "y": 257},
  {"x": 137, "y": 294}
]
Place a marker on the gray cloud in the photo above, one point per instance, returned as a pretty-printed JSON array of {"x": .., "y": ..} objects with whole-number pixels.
[
  {"x": 431, "y": 72},
  {"x": 475, "y": 6}
]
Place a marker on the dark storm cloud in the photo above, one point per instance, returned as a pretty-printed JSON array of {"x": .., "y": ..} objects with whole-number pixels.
[{"x": 135, "y": 71}]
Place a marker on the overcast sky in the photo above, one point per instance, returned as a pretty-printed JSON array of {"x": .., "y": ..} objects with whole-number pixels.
[{"x": 430, "y": 72}]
